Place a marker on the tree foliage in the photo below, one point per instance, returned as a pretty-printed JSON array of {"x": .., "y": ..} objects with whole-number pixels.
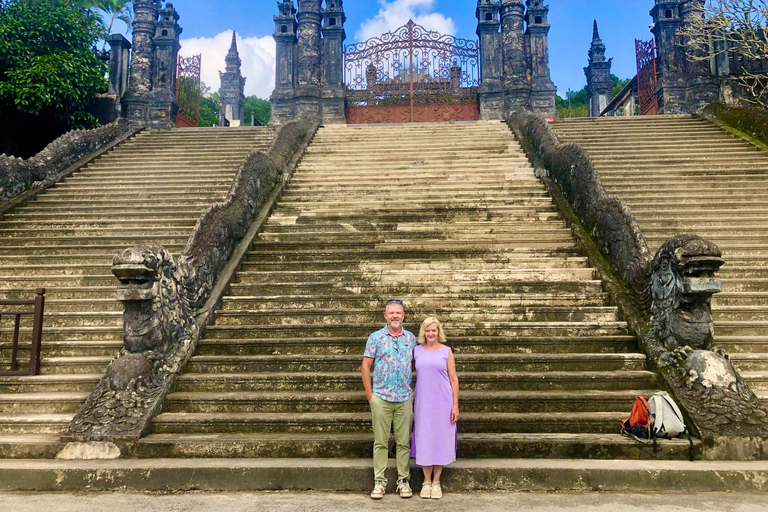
[
  {"x": 262, "y": 110},
  {"x": 738, "y": 26},
  {"x": 49, "y": 72},
  {"x": 113, "y": 9}
]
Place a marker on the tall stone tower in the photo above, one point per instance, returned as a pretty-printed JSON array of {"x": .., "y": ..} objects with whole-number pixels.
[
  {"x": 151, "y": 96},
  {"x": 232, "y": 91},
  {"x": 514, "y": 54},
  {"x": 599, "y": 86},
  {"x": 309, "y": 61}
]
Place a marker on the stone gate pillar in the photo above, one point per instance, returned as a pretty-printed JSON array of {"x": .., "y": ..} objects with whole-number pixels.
[
  {"x": 285, "y": 62},
  {"x": 598, "y": 72},
  {"x": 165, "y": 105},
  {"x": 703, "y": 87},
  {"x": 542, "y": 89},
  {"x": 119, "y": 56},
  {"x": 333, "y": 62},
  {"x": 490, "y": 91},
  {"x": 670, "y": 61},
  {"x": 309, "y": 69},
  {"x": 136, "y": 101},
  {"x": 517, "y": 88}
]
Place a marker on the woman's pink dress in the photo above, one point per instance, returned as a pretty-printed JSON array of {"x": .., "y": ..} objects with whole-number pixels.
[{"x": 434, "y": 436}]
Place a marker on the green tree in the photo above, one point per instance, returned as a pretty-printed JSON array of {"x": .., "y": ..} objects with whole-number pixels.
[
  {"x": 209, "y": 106},
  {"x": 113, "y": 9},
  {"x": 262, "y": 110},
  {"x": 49, "y": 72}
]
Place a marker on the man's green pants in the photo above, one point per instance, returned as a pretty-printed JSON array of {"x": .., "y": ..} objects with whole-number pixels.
[{"x": 385, "y": 415}]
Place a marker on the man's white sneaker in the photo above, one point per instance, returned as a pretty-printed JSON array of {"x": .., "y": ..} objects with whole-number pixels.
[
  {"x": 404, "y": 489},
  {"x": 378, "y": 491},
  {"x": 437, "y": 491},
  {"x": 426, "y": 490}
]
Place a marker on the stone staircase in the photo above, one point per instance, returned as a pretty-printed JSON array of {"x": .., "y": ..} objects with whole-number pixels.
[
  {"x": 682, "y": 174},
  {"x": 151, "y": 188},
  {"x": 450, "y": 218}
]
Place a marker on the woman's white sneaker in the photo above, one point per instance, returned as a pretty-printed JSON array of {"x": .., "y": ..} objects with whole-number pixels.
[
  {"x": 437, "y": 491},
  {"x": 426, "y": 490}
]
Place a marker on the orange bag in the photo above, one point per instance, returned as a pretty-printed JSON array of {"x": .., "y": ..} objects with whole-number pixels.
[{"x": 639, "y": 422}]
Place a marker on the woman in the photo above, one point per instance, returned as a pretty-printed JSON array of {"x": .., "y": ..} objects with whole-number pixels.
[{"x": 436, "y": 406}]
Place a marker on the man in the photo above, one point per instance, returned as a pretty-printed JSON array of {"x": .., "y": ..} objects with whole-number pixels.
[{"x": 389, "y": 352}]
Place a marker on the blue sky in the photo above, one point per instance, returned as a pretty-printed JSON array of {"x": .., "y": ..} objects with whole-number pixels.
[{"x": 207, "y": 29}]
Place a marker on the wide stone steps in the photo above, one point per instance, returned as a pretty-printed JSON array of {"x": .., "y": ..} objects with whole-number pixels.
[
  {"x": 151, "y": 188},
  {"x": 720, "y": 193},
  {"x": 470, "y": 236}
]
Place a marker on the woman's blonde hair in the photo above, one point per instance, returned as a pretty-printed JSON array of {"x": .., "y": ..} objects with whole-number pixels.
[{"x": 426, "y": 323}]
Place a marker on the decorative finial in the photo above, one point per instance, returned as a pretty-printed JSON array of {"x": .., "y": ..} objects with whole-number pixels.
[{"x": 595, "y": 33}]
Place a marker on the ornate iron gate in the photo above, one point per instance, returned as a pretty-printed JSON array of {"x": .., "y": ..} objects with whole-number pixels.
[
  {"x": 412, "y": 75},
  {"x": 647, "y": 77},
  {"x": 188, "y": 91}
]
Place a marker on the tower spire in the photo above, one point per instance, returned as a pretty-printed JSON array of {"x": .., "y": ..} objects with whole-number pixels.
[{"x": 595, "y": 32}]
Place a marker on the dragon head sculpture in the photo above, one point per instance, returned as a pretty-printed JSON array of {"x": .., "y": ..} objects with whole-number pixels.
[
  {"x": 147, "y": 285},
  {"x": 682, "y": 284}
]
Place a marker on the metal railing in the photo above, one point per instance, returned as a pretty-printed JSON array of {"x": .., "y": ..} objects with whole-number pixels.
[{"x": 37, "y": 332}]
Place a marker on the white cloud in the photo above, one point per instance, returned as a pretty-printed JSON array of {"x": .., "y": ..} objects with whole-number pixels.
[
  {"x": 395, "y": 14},
  {"x": 257, "y": 54}
]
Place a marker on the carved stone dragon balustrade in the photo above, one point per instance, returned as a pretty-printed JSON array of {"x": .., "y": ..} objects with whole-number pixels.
[{"x": 680, "y": 343}]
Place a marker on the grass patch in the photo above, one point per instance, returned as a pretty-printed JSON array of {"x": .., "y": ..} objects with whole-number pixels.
[{"x": 752, "y": 122}]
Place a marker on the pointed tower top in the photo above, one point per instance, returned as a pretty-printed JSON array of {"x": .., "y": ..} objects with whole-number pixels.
[
  {"x": 597, "y": 50},
  {"x": 233, "y": 57},
  {"x": 595, "y": 32},
  {"x": 233, "y": 48}
]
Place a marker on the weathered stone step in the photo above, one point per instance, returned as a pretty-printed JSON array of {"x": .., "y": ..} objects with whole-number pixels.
[
  {"x": 460, "y": 344},
  {"x": 441, "y": 233},
  {"x": 37, "y": 232},
  {"x": 471, "y": 446},
  {"x": 413, "y": 276},
  {"x": 352, "y": 288},
  {"x": 33, "y": 423},
  {"x": 191, "y": 382},
  {"x": 757, "y": 380},
  {"x": 54, "y": 349},
  {"x": 70, "y": 249},
  {"x": 728, "y": 298},
  {"x": 427, "y": 211},
  {"x": 414, "y": 304},
  {"x": 745, "y": 285},
  {"x": 313, "y": 194},
  {"x": 72, "y": 240},
  {"x": 742, "y": 344},
  {"x": 355, "y": 402},
  {"x": 49, "y": 384},
  {"x": 208, "y": 186},
  {"x": 751, "y": 312},
  {"x": 165, "y": 423},
  {"x": 74, "y": 333},
  {"x": 412, "y": 264},
  {"x": 741, "y": 327},
  {"x": 95, "y": 223},
  {"x": 83, "y": 318},
  {"x": 26, "y": 446},
  {"x": 755, "y": 361},
  {"x": 41, "y": 403},
  {"x": 362, "y": 330},
  {"x": 43, "y": 280},
  {"x": 465, "y": 363}
]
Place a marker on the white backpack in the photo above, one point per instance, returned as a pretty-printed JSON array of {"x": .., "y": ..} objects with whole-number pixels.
[{"x": 667, "y": 420}]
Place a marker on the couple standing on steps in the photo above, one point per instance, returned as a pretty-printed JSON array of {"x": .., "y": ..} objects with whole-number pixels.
[{"x": 391, "y": 355}]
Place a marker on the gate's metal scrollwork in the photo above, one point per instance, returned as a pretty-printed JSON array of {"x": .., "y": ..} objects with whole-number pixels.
[
  {"x": 188, "y": 91},
  {"x": 647, "y": 77},
  {"x": 412, "y": 75}
]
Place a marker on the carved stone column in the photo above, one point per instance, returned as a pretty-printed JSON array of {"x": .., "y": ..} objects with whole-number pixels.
[
  {"x": 490, "y": 91},
  {"x": 137, "y": 100},
  {"x": 333, "y": 62},
  {"x": 165, "y": 105},
  {"x": 598, "y": 72},
  {"x": 516, "y": 72},
  {"x": 542, "y": 89},
  {"x": 309, "y": 69},
  {"x": 285, "y": 57}
]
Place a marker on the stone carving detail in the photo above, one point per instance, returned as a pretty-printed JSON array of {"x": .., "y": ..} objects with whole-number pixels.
[
  {"x": 606, "y": 219},
  {"x": 680, "y": 342},
  {"x": 165, "y": 302},
  {"x": 18, "y": 175}
]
